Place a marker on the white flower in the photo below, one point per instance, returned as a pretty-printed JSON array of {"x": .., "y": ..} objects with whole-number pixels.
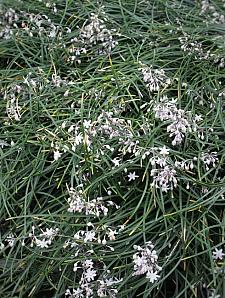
[
  {"x": 132, "y": 176},
  {"x": 198, "y": 118},
  {"x": 57, "y": 154},
  {"x": 3, "y": 143},
  {"x": 116, "y": 161},
  {"x": 218, "y": 254},
  {"x": 42, "y": 243},
  {"x": 89, "y": 236},
  {"x": 152, "y": 276},
  {"x": 87, "y": 123},
  {"x": 90, "y": 274},
  {"x": 111, "y": 234},
  {"x": 164, "y": 151}
]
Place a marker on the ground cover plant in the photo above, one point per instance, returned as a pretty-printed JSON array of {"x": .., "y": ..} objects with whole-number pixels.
[{"x": 112, "y": 148}]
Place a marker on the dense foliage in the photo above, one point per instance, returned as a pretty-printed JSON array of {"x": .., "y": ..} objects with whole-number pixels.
[{"x": 112, "y": 148}]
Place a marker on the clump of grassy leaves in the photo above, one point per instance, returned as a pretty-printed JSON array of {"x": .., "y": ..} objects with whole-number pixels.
[{"x": 185, "y": 224}]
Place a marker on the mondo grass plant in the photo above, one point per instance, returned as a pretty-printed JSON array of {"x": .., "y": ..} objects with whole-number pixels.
[{"x": 112, "y": 173}]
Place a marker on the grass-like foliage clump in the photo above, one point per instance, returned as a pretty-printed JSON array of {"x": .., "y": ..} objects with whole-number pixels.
[{"x": 112, "y": 148}]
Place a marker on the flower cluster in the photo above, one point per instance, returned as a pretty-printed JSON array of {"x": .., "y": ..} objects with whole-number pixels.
[
  {"x": 93, "y": 33},
  {"x": 209, "y": 10},
  {"x": 9, "y": 241},
  {"x": 12, "y": 96},
  {"x": 88, "y": 275},
  {"x": 96, "y": 207},
  {"x": 44, "y": 239},
  {"x": 196, "y": 48},
  {"x": 41, "y": 25},
  {"x": 146, "y": 262},
  {"x": 163, "y": 173},
  {"x": 185, "y": 165},
  {"x": 155, "y": 79},
  {"x": 8, "y": 22},
  {"x": 89, "y": 286},
  {"x": 92, "y": 277},
  {"x": 13, "y": 22},
  {"x": 164, "y": 178},
  {"x": 93, "y": 234},
  {"x": 115, "y": 127},
  {"x": 49, "y": 4},
  {"x": 193, "y": 47},
  {"x": 209, "y": 159},
  {"x": 16, "y": 95},
  {"x": 105, "y": 127},
  {"x": 107, "y": 286},
  {"x": 180, "y": 122}
]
